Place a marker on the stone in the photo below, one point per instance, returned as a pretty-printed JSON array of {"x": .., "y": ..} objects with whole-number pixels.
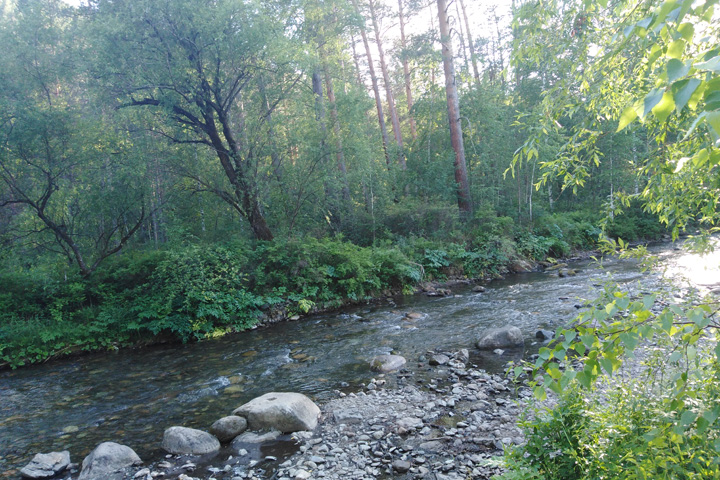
[
  {"x": 228, "y": 427},
  {"x": 543, "y": 334},
  {"x": 502, "y": 337},
  {"x": 253, "y": 437},
  {"x": 387, "y": 363},
  {"x": 189, "y": 441},
  {"x": 478, "y": 289},
  {"x": 439, "y": 359},
  {"x": 347, "y": 416},
  {"x": 401, "y": 466},
  {"x": 520, "y": 266},
  {"x": 284, "y": 411},
  {"x": 498, "y": 351},
  {"x": 107, "y": 459},
  {"x": 46, "y": 465}
]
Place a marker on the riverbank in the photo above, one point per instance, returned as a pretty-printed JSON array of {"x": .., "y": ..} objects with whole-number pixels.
[{"x": 453, "y": 426}]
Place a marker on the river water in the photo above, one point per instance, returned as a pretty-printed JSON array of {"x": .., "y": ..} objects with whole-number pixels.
[{"x": 131, "y": 397}]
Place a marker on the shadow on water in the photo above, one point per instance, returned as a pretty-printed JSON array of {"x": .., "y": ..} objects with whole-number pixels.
[{"x": 132, "y": 396}]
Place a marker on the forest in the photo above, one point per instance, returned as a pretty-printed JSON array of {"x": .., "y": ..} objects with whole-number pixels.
[{"x": 176, "y": 170}]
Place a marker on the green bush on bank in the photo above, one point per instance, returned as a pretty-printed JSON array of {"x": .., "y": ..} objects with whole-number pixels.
[{"x": 196, "y": 291}]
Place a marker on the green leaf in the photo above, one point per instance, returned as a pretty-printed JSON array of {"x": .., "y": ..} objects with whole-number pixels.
[
  {"x": 584, "y": 379},
  {"x": 676, "y": 49},
  {"x": 712, "y": 65},
  {"x": 713, "y": 119},
  {"x": 687, "y": 418},
  {"x": 663, "y": 109},
  {"x": 627, "y": 117},
  {"x": 686, "y": 30},
  {"x": 539, "y": 393},
  {"x": 677, "y": 69},
  {"x": 652, "y": 99},
  {"x": 649, "y": 301},
  {"x": 683, "y": 92}
]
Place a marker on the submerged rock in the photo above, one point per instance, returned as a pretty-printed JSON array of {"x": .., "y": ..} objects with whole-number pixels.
[
  {"x": 107, "y": 460},
  {"x": 189, "y": 441},
  {"x": 228, "y": 428},
  {"x": 46, "y": 465},
  {"x": 284, "y": 411},
  {"x": 387, "y": 363},
  {"x": 501, "y": 338}
]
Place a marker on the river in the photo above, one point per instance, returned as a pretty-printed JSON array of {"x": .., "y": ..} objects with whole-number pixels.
[{"x": 132, "y": 396}]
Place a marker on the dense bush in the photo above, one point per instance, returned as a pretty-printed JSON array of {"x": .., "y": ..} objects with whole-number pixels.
[{"x": 195, "y": 291}]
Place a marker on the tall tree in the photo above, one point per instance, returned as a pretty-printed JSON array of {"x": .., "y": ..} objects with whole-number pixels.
[
  {"x": 406, "y": 70},
  {"x": 471, "y": 45},
  {"x": 453, "y": 108},
  {"x": 187, "y": 61},
  {"x": 388, "y": 86},
  {"x": 374, "y": 80}
]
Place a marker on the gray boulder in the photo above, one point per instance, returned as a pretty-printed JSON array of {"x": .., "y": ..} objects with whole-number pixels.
[
  {"x": 228, "y": 428},
  {"x": 107, "y": 459},
  {"x": 387, "y": 363},
  {"x": 189, "y": 441},
  {"x": 501, "y": 338},
  {"x": 46, "y": 465},
  {"x": 284, "y": 411}
]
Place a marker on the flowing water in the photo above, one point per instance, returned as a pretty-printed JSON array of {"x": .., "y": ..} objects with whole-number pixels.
[{"x": 131, "y": 397}]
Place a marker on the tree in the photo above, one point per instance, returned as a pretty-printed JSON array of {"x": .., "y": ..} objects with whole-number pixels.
[
  {"x": 190, "y": 62},
  {"x": 453, "y": 107},
  {"x": 79, "y": 192}
]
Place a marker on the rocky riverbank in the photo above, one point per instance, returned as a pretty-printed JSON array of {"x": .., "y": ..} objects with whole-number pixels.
[{"x": 451, "y": 424}]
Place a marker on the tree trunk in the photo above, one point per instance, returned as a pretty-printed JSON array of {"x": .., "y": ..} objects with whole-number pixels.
[
  {"x": 340, "y": 155},
  {"x": 376, "y": 89},
  {"x": 276, "y": 162},
  {"x": 388, "y": 88},
  {"x": 461, "y": 34},
  {"x": 406, "y": 72},
  {"x": 473, "y": 57},
  {"x": 453, "y": 105}
]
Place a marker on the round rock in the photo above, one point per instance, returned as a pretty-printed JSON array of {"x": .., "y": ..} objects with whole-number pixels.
[
  {"x": 46, "y": 465},
  {"x": 501, "y": 338},
  {"x": 228, "y": 428},
  {"x": 107, "y": 459},
  {"x": 189, "y": 441},
  {"x": 387, "y": 363},
  {"x": 286, "y": 412}
]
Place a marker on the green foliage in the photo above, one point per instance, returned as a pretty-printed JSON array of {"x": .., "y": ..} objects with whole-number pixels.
[{"x": 554, "y": 441}]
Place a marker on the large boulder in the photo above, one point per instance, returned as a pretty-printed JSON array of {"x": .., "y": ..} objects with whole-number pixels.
[
  {"x": 503, "y": 337},
  {"x": 107, "y": 459},
  {"x": 228, "y": 428},
  {"x": 46, "y": 465},
  {"x": 189, "y": 441},
  {"x": 387, "y": 363},
  {"x": 284, "y": 411}
]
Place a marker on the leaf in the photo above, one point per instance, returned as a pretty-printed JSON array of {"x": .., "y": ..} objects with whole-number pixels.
[
  {"x": 627, "y": 117},
  {"x": 539, "y": 393},
  {"x": 713, "y": 119},
  {"x": 651, "y": 99},
  {"x": 712, "y": 65},
  {"x": 663, "y": 109},
  {"x": 686, "y": 30},
  {"x": 675, "y": 49},
  {"x": 683, "y": 93},
  {"x": 677, "y": 69},
  {"x": 687, "y": 418},
  {"x": 649, "y": 301}
]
